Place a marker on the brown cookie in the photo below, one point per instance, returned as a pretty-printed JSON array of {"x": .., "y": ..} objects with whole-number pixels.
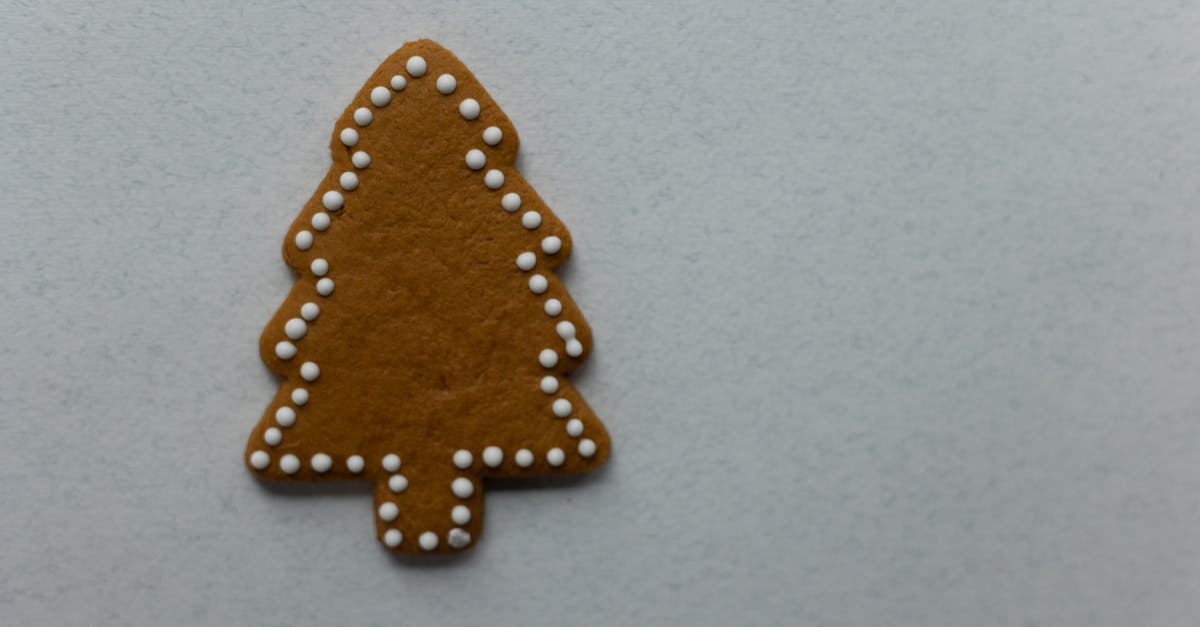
[{"x": 426, "y": 342}]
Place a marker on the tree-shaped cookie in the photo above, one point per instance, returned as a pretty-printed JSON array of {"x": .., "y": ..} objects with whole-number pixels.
[{"x": 426, "y": 342}]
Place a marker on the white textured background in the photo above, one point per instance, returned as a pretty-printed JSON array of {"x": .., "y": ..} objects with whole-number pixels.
[{"x": 896, "y": 312}]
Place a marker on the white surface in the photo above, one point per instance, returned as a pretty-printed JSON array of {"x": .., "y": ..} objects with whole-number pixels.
[{"x": 895, "y": 311}]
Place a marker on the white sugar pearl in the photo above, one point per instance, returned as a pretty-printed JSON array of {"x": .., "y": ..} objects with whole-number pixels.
[
  {"x": 388, "y": 511},
  {"x": 457, "y": 538},
  {"x": 380, "y": 96},
  {"x": 310, "y": 311},
  {"x": 538, "y": 284},
  {"x": 295, "y": 328},
  {"x": 325, "y": 287},
  {"x": 461, "y": 514},
  {"x": 304, "y": 240},
  {"x": 561, "y": 407},
  {"x": 300, "y": 396},
  {"x": 549, "y": 384},
  {"x": 574, "y": 348},
  {"x": 526, "y": 261},
  {"x": 355, "y": 464},
  {"x": 462, "y": 487},
  {"x": 469, "y": 109},
  {"x": 260, "y": 459},
  {"x": 548, "y": 358},
  {"x": 349, "y": 181},
  {"x": 494, "y": 179},
  {"x": 574, "y": 427},
  {"x": 524, "y": 458},
  {"x": 360, "y": 159},
  {"x": 428, "y": 541},
  {"x": 446, "y": 84},
  {"x": 332, "y": 200},
  {"x": 392, "y": 538},
  {"x": 321, "y": 463},
  {"x": 319, "y": 267},
  {"x": 551, "y": 245},
  {"x": 362, "y": 116},
  {"x": 492, "y": 135},
  {"x": 475, "y": 159},
  {"x": 565, "y": 329},
  {"x": 587, "y": 448},
  {"x": 285, "y": 350},
  {"x": 531, "y": 220},
  {"x": 552, "y": 307},
  {"x": 397, "y": 483},
  {"x": 463, "y": 459},
  {"x": 320, "y": 221},
  {"x": 492, "y": 456},
  {"x": 416, "y": 66},
  {"x": 391, "y": 462},
  {"x": 309, "y": 371},
  {"x": 289, "y": 464},
  {"x": 349, "y": 136},
  {"x": 511, "y": 202},
  {"x": 399, "y": 82},
  {"x": 555, "y": 457},
  {"x": 285, "y": 416}
]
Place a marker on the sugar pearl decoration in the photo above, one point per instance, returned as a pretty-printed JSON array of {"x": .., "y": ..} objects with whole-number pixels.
[
  {"x": 398, "y": 82},
  {"x": 511, "y": 202},
  {"x": 524, "y": 458},
  {"x": 531, "y": 220},
  {"x": 310, "y": 311},
  {"x": 428, "y": 541},
  {"x": 325, "y": 287},
  {"x": 362, "y": 116},
  {"x": 492, "y": 457},
  {"x": 462, "y": 487},
  {"x": 574, "y": 427},
  {"x": 391, "y": 462},
  {"x": 349, "y": 137},
  {"x": 561, "y": 407},
  {"x": 461, "y": 514},
  {"x": 538, "y": 284},
  {"x": 549, "y": 384},
  {"x": 300, "y": 396},
  {"x": 397, "y": 483},
  {"x": 565, "y": 329},
  {"x": 289, "y": 464},
  {"x": 526, "y": 261},
  {"x": 548, "y": 358},
  {"x": 309, "y": 371},
  {"x": 446, "y": 84},
  {"x": 320, "y": 221},
  {"x": 574, "y": 347},
  {"x": 355, "y": 464},
  {"x": 457, "y": 538},
  {"x": 319, "y": 267},
  {"x": 285, "y": 416},
  {"x": 494, "y": 179},
  {"x": 360, "y": 159},
  {"x": 380, "y": 96},
  {"x": 551, "y": 245},
  {"x": 332, "y": 200},
  {"x": 349, "y": 181},
  {"x": 304, "y": 240},
  {"x": 553, "y": 307},
  {"x": 295, "y": 328},
  {"x": 492, "y": 135},
  {"x": 475, "y": 159},
  {"x": 416, "y": 67},
  {"x": 587, "y": 448},
  {"x": 321, "y": 463},
  {"x": 388, "y": 511},
  {"x": 260, "y": 460},
  {"x": 463, "y": 459},
  {"x": 392, "y": 538},
  {"x": 285, "y": 350},
  {"x": 469, "y": 109},
  {"x": 555, "y": 457}
]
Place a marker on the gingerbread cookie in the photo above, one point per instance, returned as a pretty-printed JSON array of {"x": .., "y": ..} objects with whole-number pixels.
[{"x": 426, "y": 342}]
